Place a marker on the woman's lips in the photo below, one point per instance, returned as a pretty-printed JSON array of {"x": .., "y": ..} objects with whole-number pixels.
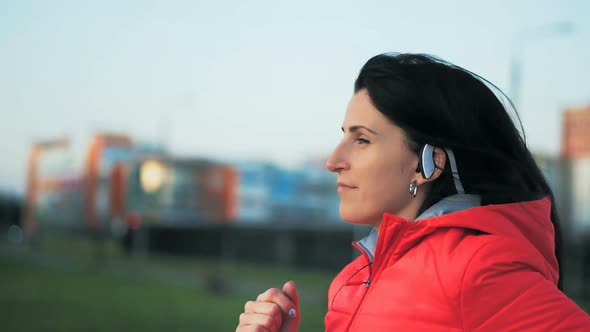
[{"x": 342, "y": 187}]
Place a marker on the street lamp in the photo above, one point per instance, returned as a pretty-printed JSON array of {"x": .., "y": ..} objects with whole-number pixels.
[{"x": 520, "y": 40}]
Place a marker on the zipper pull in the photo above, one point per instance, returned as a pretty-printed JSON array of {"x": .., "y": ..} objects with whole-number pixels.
[{"x": 367, "y": 283}]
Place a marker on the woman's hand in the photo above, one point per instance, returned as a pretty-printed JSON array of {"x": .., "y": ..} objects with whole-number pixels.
[{"x": 273, "y": 311}]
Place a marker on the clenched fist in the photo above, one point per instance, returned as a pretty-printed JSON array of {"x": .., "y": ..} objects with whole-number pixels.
[{"x": 273, "y": 311}]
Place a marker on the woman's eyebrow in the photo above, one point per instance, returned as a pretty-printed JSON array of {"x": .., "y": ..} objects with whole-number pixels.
[{"x": 352, "y": 129}]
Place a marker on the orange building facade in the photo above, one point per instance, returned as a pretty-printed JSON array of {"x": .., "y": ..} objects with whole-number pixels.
[{"x": 575, "y": 142}]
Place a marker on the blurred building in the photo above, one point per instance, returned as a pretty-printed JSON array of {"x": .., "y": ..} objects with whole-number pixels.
[
  {"x": 318, "y": 197},
  {"x": 575, "y": 151},
  {"x": 254, "y": 192},
  {"x": 284, "y": 184},
  {"x": 575, "y": 143},
  {"x": 575, "y": 212},
  {"x": 554, "y": 169}
]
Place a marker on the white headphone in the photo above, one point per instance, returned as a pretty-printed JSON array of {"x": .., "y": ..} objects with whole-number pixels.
[{"x": 427, "y": 165}]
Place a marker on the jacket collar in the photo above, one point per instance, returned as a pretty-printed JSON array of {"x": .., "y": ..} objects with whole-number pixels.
[
  {"x": 450, "y": 204},
  {"x": 525, "y": 221}
]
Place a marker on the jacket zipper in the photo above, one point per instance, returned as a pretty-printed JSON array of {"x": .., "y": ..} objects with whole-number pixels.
[
  {"x": 367, "y": 284},
  {"x": 372, "y": 272}
]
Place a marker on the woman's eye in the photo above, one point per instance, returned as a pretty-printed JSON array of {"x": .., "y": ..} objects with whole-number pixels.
[{"x": 362, "y": 141}]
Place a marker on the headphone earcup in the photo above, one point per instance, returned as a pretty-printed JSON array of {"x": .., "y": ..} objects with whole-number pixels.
[{"x": 427, "y": 166}]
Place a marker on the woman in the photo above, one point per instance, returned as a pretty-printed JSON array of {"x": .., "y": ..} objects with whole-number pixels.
[{"x": 465, "y": 232}]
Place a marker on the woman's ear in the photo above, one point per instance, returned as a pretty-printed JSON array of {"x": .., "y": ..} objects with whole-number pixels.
[{"x": 440, "y": 160}]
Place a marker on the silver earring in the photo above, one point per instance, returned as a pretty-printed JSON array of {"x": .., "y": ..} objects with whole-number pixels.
[{"x": 413, "y": 188}]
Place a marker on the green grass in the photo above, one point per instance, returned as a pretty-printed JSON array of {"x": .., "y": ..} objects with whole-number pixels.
[{"x": 35, "y": 298}]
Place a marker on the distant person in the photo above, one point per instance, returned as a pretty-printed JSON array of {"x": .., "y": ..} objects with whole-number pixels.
[{"x": 465, "y": 232}]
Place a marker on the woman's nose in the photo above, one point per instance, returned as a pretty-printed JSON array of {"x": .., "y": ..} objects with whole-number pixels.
[{"x": 337, "y": 161}]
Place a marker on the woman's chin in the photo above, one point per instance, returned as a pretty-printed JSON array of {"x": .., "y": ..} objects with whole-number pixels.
[{"x": 355, "y": 218}]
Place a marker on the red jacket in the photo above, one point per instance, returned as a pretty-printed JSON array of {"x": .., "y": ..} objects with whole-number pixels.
[{"x": 489, "y": 268}]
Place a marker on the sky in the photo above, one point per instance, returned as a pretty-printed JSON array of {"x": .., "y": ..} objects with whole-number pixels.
[{"x": 259, "y": 79}]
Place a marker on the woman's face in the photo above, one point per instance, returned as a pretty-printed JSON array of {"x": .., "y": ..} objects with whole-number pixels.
[{"x": 374, "y": 164}]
